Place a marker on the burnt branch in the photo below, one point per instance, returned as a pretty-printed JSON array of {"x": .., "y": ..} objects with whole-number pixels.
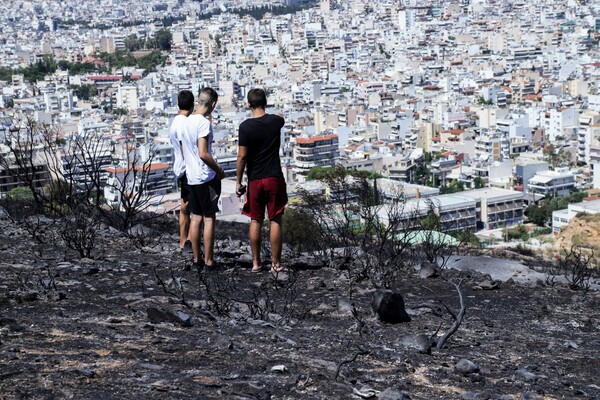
[
  {"x": 576, "y": 265},
  {"x": 177, "y": 283},
  {"x": 360, "y": 352},
  {"x": 457, "y": 318}
]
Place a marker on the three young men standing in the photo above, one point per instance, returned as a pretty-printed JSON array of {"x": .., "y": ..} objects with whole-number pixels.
[{"x": 258, "y": 156}]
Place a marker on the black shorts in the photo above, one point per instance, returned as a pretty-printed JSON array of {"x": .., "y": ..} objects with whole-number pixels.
[
  {"x": 184, "y": 187},
  {"x": 204, "y": 198}
]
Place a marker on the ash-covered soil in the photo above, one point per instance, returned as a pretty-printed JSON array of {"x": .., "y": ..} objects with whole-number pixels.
[{"x": 78, "y": 328}]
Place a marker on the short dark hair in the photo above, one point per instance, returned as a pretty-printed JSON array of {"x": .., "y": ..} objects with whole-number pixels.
[
  {"x": 185, "y": 100},
  {"x": 257, "y": 98},
  {"x": 207, "y": 96}
]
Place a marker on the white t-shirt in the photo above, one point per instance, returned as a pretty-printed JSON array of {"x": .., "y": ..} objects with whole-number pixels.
[
  {"x": 175, "y": 134},
  {"x": 196, "y": 126}
]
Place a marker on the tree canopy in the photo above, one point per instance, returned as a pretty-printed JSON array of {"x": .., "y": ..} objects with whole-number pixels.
[{"x": 542, "y": 214}]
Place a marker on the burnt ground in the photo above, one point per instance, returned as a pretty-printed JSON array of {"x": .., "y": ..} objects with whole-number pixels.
[{"x": 78, "y": 328}]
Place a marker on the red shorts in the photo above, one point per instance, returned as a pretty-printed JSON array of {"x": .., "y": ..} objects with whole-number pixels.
[{"x": 268, "y": 192}]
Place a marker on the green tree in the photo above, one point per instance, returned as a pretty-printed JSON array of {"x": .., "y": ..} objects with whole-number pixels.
[
  {"x": 421, "y": 175},
  {"x": 134, "y": 43},
  {"x": 316, "y": 173},
  {"x": 467, "y": 238},
  {"x": 539, "y": 215},
  {"x": 542, "y": 214},
  {"x": 20, "y": 193},
  {"x": 85, "y": 91},
  {"x": 163, "y": 39},
  {"x": 479, "y": 182},
  {"x": 431, "y": 222},
  {"x": 518, "y": 232},
  {"x": 453, "y": 187},
  {"x": 300, "y": 231},
  {"x": 150, "y": 61},
  {"x": 120, "y": 59},
  {"x": 76, "y": 68}
]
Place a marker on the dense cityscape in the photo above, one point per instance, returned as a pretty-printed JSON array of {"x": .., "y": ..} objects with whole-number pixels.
[
  {"x": 430, "y": 172},
  {"x": 485, "y": 107}
]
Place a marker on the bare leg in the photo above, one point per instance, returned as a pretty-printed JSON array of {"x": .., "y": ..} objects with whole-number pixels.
[
  {"x": 209, "y": 240},
  {"x": 255, "y": 240},
  {"x": 195, "y": 236},
  {"x": 184, "y": 222},
  {"x": 276, "y": 235}
]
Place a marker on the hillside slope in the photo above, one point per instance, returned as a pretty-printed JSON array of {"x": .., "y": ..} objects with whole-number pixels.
[{"x": 583, "y": 231}]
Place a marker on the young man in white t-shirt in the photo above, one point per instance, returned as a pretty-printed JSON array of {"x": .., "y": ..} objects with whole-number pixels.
[
  {"x": 185, "y": 102},
  {"x": 203, "y": 174}
]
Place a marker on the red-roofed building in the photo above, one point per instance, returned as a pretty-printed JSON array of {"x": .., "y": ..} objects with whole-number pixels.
[{"x": 316, "y": 151}]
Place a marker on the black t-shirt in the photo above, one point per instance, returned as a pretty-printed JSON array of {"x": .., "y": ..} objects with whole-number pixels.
[{"x": 262, "y": 139}]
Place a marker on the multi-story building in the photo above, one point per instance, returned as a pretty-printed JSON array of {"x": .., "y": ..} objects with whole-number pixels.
[
  {"x": 440, "y": 169},
  {"x": 522, "y": 89},
  {"x": 87, "y": 168},
  {"x": 519, "y": 145},
  {"x": 316, "y": 151},
  {"x": 554, "y": 183},
  {"x": 490, "y": 147},
  {"x": 127, "y": 97},
  {"x": 58, "y": 100},
  {"x": 455, "y": 212},
  {"x": 403, "y": 169},
  {"x": 525, "y": 170},
  {"x": 497, "y": 208},
  {"x": 129, "y": 128},
  {"x": 163, "y": 153},
  {"x": 558, "y": 122},
  {"x": 595, "y": 164},
  {"x": 589, "y": 127},
  {"x": 523, "y": 53},
  {"x": 11, "y": 176},
  {"x": 148, "y": 180}
]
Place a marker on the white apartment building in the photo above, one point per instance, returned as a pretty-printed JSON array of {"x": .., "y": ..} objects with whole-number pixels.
[
  {"x": 555, "y": 183},
  {"x": 491, "y": 147},
  {"x": 557, "y": 121},
  {"x": 588, "y": 134},
  {"x": 595, "y": 164},
  {"x": 127, "y": 97}
]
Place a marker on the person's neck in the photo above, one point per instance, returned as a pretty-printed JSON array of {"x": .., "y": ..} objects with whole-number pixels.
[
  {"x": 202, "y": 111},
  {"x": 185, "y": 113},
  {"x": 258, "y": 112}
]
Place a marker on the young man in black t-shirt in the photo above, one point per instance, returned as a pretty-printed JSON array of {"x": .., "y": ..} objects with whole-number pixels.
[{"x": 258, "y": 155}]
